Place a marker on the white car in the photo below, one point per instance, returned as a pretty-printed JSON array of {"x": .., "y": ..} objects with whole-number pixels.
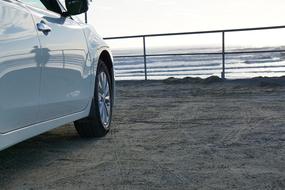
[{"x": 54, "y": 69}]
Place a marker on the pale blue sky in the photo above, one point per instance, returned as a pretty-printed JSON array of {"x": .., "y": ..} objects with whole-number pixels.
[{"x": 129, "y": 17}]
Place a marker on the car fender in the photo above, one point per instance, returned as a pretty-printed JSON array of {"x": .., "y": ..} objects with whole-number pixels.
[{"x": 96, "y": 46}]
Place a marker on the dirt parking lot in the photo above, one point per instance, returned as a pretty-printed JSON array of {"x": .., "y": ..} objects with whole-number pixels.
[{"x": 172, "y": 134}]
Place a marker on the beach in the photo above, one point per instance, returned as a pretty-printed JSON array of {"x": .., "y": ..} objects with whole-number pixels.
[{"x": 189, "y": 133}]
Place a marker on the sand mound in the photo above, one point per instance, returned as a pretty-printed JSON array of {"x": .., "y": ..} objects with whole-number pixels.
[{"x": 257, "y": 81}]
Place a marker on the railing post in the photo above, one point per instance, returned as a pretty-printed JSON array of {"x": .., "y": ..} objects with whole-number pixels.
[
  {"x": 224, "y": 56},
  {"x": 144, "y": 56}
]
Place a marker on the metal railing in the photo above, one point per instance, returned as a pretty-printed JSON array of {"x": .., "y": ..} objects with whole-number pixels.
[{"x": 223, "y": 51}]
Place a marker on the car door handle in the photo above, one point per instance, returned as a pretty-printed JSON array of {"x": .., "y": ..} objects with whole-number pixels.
[{"x": 43, "y": 27}]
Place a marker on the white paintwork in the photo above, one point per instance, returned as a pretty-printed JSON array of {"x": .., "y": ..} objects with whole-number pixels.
[
  {"x": 19, "y": 70},
  {"x": 66, "y": 68},
  {"x": 46, "y": 79}
]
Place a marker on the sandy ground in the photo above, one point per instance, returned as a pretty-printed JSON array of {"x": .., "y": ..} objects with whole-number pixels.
[{"x": 173, "y": 134}]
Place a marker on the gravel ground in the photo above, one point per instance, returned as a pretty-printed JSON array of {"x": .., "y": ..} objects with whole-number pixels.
[{"x": 172, "y": 134}]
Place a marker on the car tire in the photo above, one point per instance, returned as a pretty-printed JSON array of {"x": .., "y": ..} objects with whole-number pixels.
[{"x": 98, "y": 123}]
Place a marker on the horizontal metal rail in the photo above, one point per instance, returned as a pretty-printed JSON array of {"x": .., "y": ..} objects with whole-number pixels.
[
  {"x": 223, "y": 51},
  {"x": 206, "y": 53},
  {"x": 197, "y": 32}
]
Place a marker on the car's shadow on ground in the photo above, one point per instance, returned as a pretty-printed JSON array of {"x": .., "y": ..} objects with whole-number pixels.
[{"x": 40, "y": 151}]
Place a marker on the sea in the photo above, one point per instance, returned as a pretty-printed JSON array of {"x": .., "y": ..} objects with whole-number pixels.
[{"x": 237, "y": 65}]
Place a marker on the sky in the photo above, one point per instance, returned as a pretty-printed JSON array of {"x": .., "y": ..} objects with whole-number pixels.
[{"x": 131, "y": 17}]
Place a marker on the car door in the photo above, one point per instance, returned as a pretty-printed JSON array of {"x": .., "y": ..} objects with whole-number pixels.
[
  {"x": 19, "y": 67},
  {"x": 66, "y": 69}
]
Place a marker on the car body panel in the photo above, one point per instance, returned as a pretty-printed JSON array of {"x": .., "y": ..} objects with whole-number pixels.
[
  {"x": 64, "y": 89},
  {"x": 66, "y": 66},
  {"x": 19, "y": 68},
  {"x": 16, "y": 136}
]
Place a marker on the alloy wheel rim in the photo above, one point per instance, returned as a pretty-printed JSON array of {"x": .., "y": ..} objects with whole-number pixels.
[{"x": 104, "y": 99}]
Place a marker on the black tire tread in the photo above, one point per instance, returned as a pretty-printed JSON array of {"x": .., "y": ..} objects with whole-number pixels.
[{"x": 92, "y": 126}]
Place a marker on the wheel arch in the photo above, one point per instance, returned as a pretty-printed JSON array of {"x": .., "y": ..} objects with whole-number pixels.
[{"x": 107, "y": 58}]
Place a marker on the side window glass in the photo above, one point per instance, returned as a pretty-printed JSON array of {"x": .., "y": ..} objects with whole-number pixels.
[{"x": 35, "y": 3}]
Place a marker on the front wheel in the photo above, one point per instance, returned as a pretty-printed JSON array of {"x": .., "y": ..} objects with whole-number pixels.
[{"x": 97, "y": 124}]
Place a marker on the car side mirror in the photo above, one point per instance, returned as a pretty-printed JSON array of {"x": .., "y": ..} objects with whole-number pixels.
[{"x": 75, "y": 7}]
